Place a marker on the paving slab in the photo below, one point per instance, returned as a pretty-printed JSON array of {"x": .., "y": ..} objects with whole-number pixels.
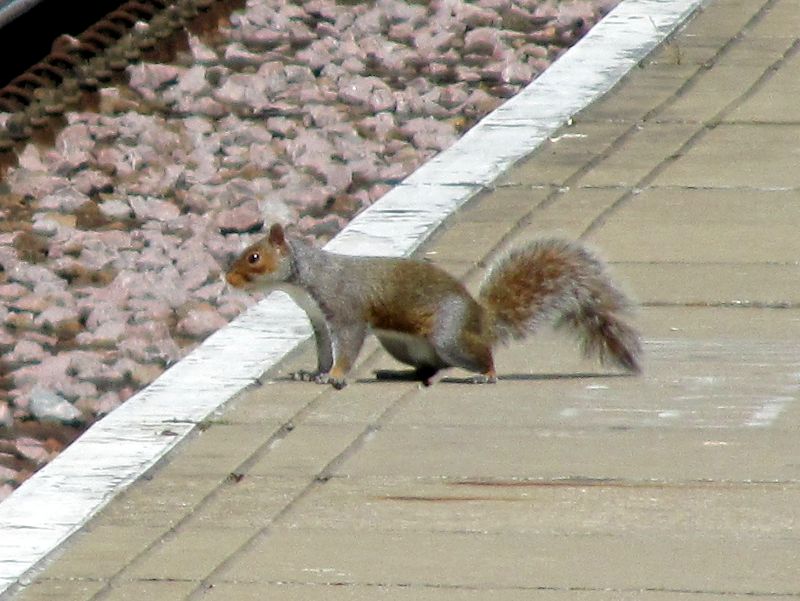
[
  {"x": 566, "y": 479},
  {"x": 773, "y": 102},
  {"x": 340, "y": 592},
  {"x": 701, "y": 223},
  {"x": 513, "y": 561},
  {"x": 722, "y": 159}
]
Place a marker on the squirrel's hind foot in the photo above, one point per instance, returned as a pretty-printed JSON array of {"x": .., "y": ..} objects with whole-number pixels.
[{"x": 488, "y": 378}]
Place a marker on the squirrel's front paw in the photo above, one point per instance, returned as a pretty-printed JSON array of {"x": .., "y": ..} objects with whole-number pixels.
[
  {"x": 304, "y": 375},
  {"x": 318, "y": 377}
]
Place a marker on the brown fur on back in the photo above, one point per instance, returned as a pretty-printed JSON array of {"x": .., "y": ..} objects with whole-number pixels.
[{"x": 407, "y": 301}]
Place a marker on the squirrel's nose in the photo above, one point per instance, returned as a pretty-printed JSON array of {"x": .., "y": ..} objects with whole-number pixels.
[{"x": 235, "y": 279}]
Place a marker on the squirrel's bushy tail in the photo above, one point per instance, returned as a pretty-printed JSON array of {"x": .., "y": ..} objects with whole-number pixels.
[{"x": 563, "y": 283}]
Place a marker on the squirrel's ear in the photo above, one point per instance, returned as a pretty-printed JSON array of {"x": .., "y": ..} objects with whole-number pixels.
[{"x": 276, "y": 235}]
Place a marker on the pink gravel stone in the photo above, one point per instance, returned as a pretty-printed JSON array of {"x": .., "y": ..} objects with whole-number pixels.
[
  {"x": 402, "y": 32},
  {"x": 88, "y": 366},
  {"x": 273, "y": 74},
  {"x": 244, "y": 218},
  {"x": 73, "y": 389},
  {"x": 197, "y": 273},
  {"x": 90, "y": 181},
  {"x": 12, "y": 291},
  {"x": 5, "y": 491},
  {"x": 35, "y": 185},
  {"x": 338, "y": 176},
  {"x": 66, "y": 200},
  {"x": 49, "y": 372},
  {"x": 31, "y": 275},
  {"x": 200, "y": 322},
  {"x": 210, "y": 293},
  {"x": 204, "y": 106},
  {"x": 262, "y": 156},
  {"x": 147, "y": 77},
  {"x": 238, "y": 56},
  {"x": 322, "y": 115},
  {"x": 283, "y": 127},
  {"x": 377, "y": 126},
  {"x": 75, "y": 136},
  {"x": 54, "y": 317},
  {"x": 483, "y": 40},
  {"x": 99, "y": 313},
  {"x": 429, "y": 133},
  {"x": 366, "y": 91},
  {"x": 242, "y": 89},
  {"x": 48, "y": 342},
  {"x": 103, "y": 405},
  {"x": 31, "y": 159},
  {"x": 479, "y": 103},
  {"x": 116, "y": 209},
  {"x": 200, "y": 52},
  {"x": 364, "y": 170},
  {"x": 30, "y": 302},
  {"x": 106, "y": 335},
  {"x": 381, "y": 98},
  {"x": 153, "y": 208},
  {"x": 107, "y": 158},
  {"x": 6, "y": 416},
  {"x": 26, "y": 352},
  {"x": 263, "y": 38},
  {"x": 7, "y": 341},
  {"x": 233, "y": 307},
  {"x": 507, "y": 71},
  {"x": 453, "y": 96},
  {"x": 139, "y": 374},
  {"x": 32, "y": 449},
  {"x": 19, "y": 321},
  {"x": 475, "y": 16}
]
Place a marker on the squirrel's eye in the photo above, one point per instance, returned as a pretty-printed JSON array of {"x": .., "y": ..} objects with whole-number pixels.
[{"x": 253, "y": 258}]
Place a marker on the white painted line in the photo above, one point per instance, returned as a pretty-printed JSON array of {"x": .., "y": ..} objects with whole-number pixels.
[{"x": 64, "y": 495}]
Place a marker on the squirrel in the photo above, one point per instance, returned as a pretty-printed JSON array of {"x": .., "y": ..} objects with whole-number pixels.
[{"x": 425, "y": 318}]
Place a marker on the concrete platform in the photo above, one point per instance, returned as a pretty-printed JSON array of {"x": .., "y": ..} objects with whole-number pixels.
[{"x": 564, "y": 480}]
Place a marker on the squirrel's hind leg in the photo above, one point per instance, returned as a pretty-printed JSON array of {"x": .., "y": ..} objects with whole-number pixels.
[{"x": 459, "y": 341}]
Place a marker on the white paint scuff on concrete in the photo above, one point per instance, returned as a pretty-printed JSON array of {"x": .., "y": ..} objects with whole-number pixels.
[
  {"x": 768, "y": 412},
  {"x": 59, "y": 499}
]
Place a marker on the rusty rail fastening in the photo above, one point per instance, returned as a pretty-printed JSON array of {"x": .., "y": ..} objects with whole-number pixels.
[{"x": 80, "y": 65}]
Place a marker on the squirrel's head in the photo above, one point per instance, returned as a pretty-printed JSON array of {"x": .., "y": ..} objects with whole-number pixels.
[{"x": 263, "y": 263}]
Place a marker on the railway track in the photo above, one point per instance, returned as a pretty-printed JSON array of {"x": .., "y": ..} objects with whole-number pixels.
[
  {"x": 29, "y": 28},
  {"x": 77, "y": 66}
]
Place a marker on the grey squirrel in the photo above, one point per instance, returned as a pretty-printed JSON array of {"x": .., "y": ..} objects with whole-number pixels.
[{"x": 425, "y": 318}]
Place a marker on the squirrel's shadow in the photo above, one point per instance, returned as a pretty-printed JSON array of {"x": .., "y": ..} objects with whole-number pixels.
[
  {"x": 410, "y": 376},
  {"x": 541, "y": 377}
]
